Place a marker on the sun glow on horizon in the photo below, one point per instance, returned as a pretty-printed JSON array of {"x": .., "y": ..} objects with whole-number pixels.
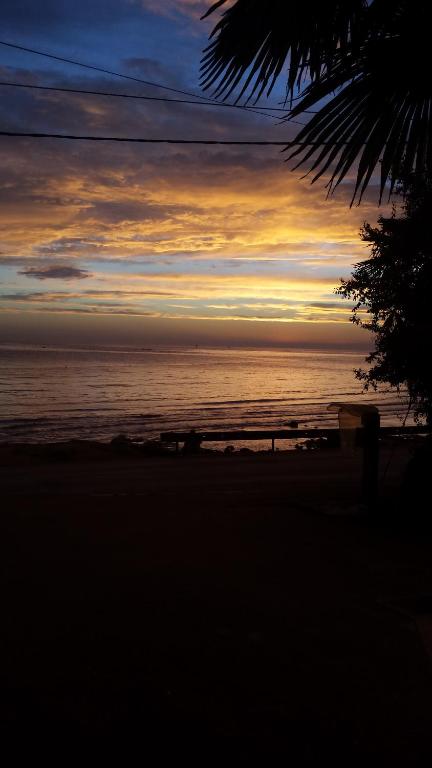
[{"x": 196, "y": 234}]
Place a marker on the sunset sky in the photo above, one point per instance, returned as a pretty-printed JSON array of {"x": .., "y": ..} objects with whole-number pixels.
[{"x": 140, "y": 244}]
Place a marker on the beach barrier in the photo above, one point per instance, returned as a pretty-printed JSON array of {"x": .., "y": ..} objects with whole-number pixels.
[
  {"x": 331, "y": 434},
  {"x": 245, "y": 434},
  {"x": 359, "y": 431}
]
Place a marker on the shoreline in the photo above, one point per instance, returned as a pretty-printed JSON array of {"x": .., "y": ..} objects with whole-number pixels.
[
  {"x": 317, "y": 476},
  {"x": 124, "y": 448}
]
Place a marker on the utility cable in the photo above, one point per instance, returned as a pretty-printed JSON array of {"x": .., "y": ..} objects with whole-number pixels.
[
  {"x": 105, "y": 71},
  {"x": 73, "y": 137},
  {"x": 163, "y": 99},
  {"x": 75, "y": 62}
]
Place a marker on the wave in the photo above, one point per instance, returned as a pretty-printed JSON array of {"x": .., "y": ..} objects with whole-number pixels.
[{"x": 98, "y": 396}]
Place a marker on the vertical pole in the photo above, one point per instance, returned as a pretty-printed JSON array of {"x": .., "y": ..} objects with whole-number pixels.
[
  {"x": 272, "y": 444},
  {"x": 370, "y": 434}
]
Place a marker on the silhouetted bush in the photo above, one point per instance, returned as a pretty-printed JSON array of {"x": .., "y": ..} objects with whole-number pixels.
[{"x": 392, "y": 291}]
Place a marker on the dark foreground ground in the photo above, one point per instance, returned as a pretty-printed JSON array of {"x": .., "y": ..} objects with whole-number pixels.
[{"x": 214, "y": 607}]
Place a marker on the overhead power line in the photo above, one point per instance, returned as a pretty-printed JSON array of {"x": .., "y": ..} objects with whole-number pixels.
[
  {"x": 75, "y": 62},
  {"x": 139, "y": 140},
  {"x": 163, "y": 99},
  {"x": 205, "y": 99},
  {"x": 120, "y": 95}
]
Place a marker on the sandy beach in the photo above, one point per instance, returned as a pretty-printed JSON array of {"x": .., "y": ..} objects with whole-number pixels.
[{"x": 214, "y": 605}]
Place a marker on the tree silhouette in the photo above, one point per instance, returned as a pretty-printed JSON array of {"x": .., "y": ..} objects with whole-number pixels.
[
  {"x": 393, "y": 297},
  {"x": 363, "y": 63}
]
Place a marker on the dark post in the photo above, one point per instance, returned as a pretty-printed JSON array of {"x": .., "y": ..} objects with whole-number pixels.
[
  {"x": 370, "y": 441},
  {"x": 359, "y": 425},
  {"x": 192, "y": 443}
]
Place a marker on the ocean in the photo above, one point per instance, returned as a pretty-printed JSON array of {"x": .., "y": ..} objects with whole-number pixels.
[{"x": 52, "y": 394}]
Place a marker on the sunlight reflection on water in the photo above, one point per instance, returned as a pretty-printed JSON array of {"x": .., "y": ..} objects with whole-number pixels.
[{"x": 55, "y": 394}]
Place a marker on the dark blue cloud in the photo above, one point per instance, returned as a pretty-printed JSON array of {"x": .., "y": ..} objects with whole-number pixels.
[{"x": 55, "y": 272}]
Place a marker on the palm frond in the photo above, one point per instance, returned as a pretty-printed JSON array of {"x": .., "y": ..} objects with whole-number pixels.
[
  {"x": 254, "y": 39},
  {"x": 368, "y": 62},
  {"x": 382, "y": 116}
]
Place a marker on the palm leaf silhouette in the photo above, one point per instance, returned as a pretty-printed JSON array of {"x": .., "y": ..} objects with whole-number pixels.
[{"x": 366, "y": 62}]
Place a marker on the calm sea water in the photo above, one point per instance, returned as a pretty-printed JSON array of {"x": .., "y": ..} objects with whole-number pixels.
[{"x": 58, "y": 394}]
